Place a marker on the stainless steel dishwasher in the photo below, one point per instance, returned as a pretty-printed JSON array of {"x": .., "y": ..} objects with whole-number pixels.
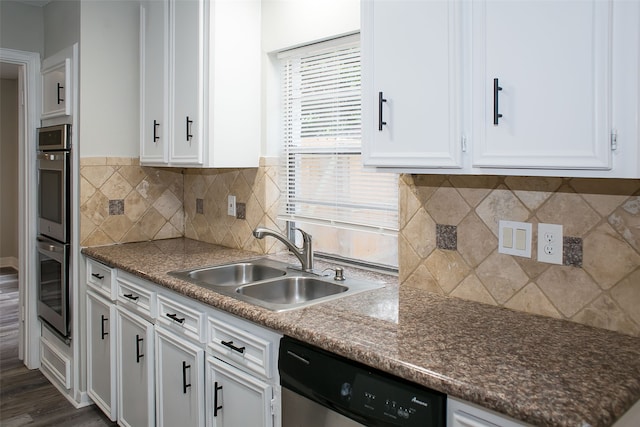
[{"x": 321, "y": 389}]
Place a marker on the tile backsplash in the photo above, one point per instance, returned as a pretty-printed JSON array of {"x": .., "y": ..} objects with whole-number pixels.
[
  {"x": 601, "y": 225},
  {"x": 448, "y": 236},
  {"x": 121, "y": 201}
]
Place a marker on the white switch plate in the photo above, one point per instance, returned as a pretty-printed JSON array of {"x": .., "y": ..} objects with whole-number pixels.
[
  {"x": 231, "y": 206},
  {"x": 550, "y": 243},
  {"x": 514, "y": 238}
]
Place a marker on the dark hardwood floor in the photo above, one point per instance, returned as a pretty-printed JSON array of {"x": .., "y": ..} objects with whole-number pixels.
[{"x": 27, "y": 398}]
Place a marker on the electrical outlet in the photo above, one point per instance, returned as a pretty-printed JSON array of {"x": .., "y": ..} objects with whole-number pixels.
[
  {"x": 550, "y": 243},
  {"x": 231, "y": 206}
]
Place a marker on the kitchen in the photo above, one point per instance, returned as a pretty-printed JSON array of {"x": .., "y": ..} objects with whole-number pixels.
[{"x": 603, "y": 293}]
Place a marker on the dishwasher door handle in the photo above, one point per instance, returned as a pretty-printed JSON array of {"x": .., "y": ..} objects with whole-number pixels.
[{"x": 298, "y": 357}]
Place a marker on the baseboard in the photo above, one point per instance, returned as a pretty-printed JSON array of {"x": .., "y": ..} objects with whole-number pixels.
[{"x": 9, "y": 261}]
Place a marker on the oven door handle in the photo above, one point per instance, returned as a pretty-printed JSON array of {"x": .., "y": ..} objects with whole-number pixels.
[
  {"x": 50, "y": 156},
  {"x": 48, "y": 247}
]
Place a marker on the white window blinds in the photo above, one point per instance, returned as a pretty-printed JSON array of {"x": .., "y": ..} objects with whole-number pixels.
[{"x": 324, "y": 181}]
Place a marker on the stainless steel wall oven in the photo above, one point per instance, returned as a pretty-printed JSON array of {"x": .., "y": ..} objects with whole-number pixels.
[{"x": 54, "y": 230}]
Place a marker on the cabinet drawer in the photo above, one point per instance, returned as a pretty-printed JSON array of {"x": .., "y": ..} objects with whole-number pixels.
[
  {"x": 240, "y": 347},
  {"x": 101, "y": 279},
  {"x": 181, "y": 319},
  {"x": 136, "y": 297}
]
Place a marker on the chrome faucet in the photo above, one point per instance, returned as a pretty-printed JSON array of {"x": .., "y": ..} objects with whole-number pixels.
[{"x": 304, "y": 254}]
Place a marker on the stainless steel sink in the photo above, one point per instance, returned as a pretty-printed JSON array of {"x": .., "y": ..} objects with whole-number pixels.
[
  {"x": 291, "y": 290},
  {"x": 235, "y": 274},
  {"x": 273, "y": 285}
]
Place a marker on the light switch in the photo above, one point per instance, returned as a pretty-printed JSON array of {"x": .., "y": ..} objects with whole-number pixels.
[
  {"x": 521, "y": 239},
  {"x": 507, "y": 238},
  {"x": 514, "y": 238}
]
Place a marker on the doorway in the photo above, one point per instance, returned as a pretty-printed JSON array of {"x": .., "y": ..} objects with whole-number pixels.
[{"x": 19, "y": 71}]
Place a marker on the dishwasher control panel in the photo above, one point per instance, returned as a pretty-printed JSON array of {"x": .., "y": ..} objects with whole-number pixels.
[{"x": 364, "y": 394}]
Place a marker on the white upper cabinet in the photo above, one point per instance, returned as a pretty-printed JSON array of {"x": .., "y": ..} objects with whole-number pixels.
[
  {"x": 541, "y": 84},
  {"x": 412, "y": 90},
  {"x": 502, "y": 87},
  {"x": 200, "y": 83},
  {"x": 56, "y": 85},
  {"x": 154, "y": 72}
]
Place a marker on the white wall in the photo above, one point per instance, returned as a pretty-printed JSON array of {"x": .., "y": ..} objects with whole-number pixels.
[
  {"x": 21, "y": 27},
  {"x": 109, "y": 79},
  {"x": 9, "y": 169},
  {"x": 292, "y": 23},
  {"x": 61, "y": 25}
]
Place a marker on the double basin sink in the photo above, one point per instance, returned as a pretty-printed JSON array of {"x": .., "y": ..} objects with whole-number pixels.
[{"x": 272, "y": 284}]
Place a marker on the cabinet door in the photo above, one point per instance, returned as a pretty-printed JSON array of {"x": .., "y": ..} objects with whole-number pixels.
[
  {"x": 235, "y": 398},
  {"x": 187, "y": 84},
  {"x": 412, "y": 83},
  {"x": 136, "y": 398},
  {"x": 180, "y": 381},
  {"x": 101, "y": 354},
  {"x": 550, "y": 104},
  {"x": 154, "y": 69},
  {"x": 56, "y": 85}
]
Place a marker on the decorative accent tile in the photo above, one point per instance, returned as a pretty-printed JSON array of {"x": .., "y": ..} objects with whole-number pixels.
[
  {"x": 572, "y": 251},
  {"x": 116, "y": 207},
  {"x": 241, "y": 210},
  {"x": 200, "y": 206},
  {"x": 446, "y": 237}
]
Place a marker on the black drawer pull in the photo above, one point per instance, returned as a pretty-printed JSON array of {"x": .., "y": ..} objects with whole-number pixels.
[
  {"x": 381, "y": 100},
  {"x": 175, "y": 317},
  {"x": 155, "y": 129},
  {"x": 189, "y": 134},
  {"x": 232, "y": 347},
  {"x": 104, "y": 334},
  {"x": 216, "y": 408},
  {"x": 60, "y": 100},
  {"x": 97, "y": 276},
  {"x": 496, "y": 110},
  {"x": 184, "y": 377},
  {"x": 138, "y": 355},
  {"x": 131, "y": 296}
]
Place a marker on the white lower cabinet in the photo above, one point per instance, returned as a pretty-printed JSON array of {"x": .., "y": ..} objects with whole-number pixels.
[
  {"x": 157, "y": 358},
  {"x": 101, "y": 353},
  {"x": 236, "y": 398},
  {"x": 136, "y": 385},
  {"x": 179, "y": 381}
]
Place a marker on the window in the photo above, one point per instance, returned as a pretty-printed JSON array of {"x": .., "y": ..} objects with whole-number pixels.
[{"x": 351, "y": 213}]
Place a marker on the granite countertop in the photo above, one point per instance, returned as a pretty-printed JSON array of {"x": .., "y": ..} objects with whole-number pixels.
[{"x": 539, "y": 370}]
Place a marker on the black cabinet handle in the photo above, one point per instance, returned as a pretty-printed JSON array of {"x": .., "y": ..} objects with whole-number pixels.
[
  {"x": 175, "y": 317},
  {"x": 103, "y": 333},
  {"x": 155, "y": 128},
  {"x": 189, "y": 134},
  {"x": 381, "y": 100},
  {"x": 184, "y": 377},
  {"x": 131, "y": 296},
  {"x": 60, "y": 100},
  {"x": 97, "y": 276},
  {"x": 496, "y": 114},
  {"x": 138, "y": 355},
  {"x": 232, "y": 347},
  {"x": 216, "y": 408}
]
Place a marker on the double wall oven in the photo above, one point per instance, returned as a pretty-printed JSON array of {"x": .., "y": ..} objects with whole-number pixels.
[{"x": 54, "y": 193}]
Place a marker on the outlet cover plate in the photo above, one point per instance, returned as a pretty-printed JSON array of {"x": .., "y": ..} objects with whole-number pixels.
[
  {"x": 231, "y": 206},
  {"x": 514, "y": 238},
  {"x": 550, "y": 243}
]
